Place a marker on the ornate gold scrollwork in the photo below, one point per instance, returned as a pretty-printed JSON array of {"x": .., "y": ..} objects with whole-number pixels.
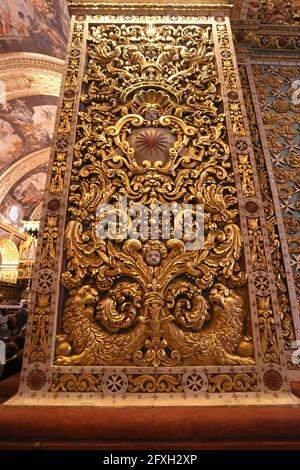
[
  {"x": 38, "y": 346},
  {"x": 220, "y": 383},
  {"x": 152, "y": 90},
  {"x": 284, "y": 76},
  {"x": 268, "y": 333}
]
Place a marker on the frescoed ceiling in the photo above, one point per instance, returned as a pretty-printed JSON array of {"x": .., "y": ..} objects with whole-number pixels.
[
  {"x": 25, "y": 128},
  {"x": 33, "y": 38},
  {"x": 25, "y": 196},
  {"x": 34, "y": 26}
]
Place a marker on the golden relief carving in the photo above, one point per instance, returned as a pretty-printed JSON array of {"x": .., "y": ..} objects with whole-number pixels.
[
  {"x": 58, "y": 169},
  {"x": 74, "y": 59},
  {"x": 237, "y": 120},
  {"x": 66, "y": 117},
  {"x": 267, "y": 327},
  {"x": 155, "y": 384},
  {"x": 82, "y": 383},
  {"x": 41, "y": 315},
  {"x": 71, "y": 80},
  {"x": 49, "y": 242},
  {"x": 256, "y": 244},
  {"x": 229, "y": 74},
  {"x": 40, "y": 321},
  {"x": 280, "y": 278},
  {"x": 143, "y": 8},
  {"x": 152, "y": 91},
  {"x": 224, "y": 383},
  {"x": 281, "y": 113},
  {"x": 223, "y": 37},
  {"x": 246, "y": 173}
]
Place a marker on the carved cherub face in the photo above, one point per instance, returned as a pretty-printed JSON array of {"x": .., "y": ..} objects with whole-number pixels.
[
  {"x": 153, "y": 257},
  {"x": 151, "y": 113}
]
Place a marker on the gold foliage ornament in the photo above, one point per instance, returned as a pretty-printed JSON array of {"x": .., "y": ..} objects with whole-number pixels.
[{"x": 138, "y": 301}]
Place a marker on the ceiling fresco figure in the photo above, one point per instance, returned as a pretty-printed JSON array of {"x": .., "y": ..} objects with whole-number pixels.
[
  {"x": 20, "y": 118},
  {"x": 34, "y": 26}
]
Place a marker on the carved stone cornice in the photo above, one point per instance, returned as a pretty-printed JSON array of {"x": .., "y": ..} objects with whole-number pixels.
[
  {"x": 41, "y": 75},
  {"x": 266, "y": 39},
  {"x": 160, "y": 6},
  {"x": 7, "y": 229},
  {"x": 20, "y": 168},
  {"x": 29, "y": 59}
]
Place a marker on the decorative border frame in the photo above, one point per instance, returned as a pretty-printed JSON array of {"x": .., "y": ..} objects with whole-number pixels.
[
  {"x": 43, "y": 383},
  {"x": 247, "y": 63}
]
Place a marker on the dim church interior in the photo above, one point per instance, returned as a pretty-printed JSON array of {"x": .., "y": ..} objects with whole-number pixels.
[{"x": 34, "y": 38}]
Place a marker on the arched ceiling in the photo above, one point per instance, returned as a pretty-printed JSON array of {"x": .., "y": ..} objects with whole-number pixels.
[
  {"x": 17, "y": 180},
  {"x": 18, "y": 170},
  {"x": 41, "y": 74},
  {"x": 33, "y": 38},
  {"x": 25, "y": 195}
]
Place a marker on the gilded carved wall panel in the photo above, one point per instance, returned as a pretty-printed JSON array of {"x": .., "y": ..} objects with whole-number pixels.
[
  {"x": 152, "y": 111},
  {"x": 268, "y": 92},
  {"x": 280, "y": 109},
  {"x": 167, "y": 312}
]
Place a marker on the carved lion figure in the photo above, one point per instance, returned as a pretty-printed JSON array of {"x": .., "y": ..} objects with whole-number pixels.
[
  {"x": 220, "y": 339},
  {"x": 87, "y": 343},
  {"x": 84, "y": 343}
]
